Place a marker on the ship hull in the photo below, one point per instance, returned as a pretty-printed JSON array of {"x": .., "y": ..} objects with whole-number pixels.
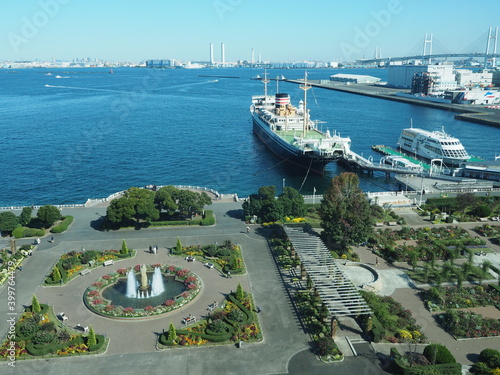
[{"x": 287, "y": 152}]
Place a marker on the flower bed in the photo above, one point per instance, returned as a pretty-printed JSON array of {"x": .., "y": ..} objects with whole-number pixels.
[
  {"x": 235, "y": 322},
  {"x": 41, "y": 335},
  {"x": 465, "y": 324},
  {"x": 71, "y": 263},
  {"x": 97, "y": 303},
  {"x": 226, "y": 257},
  {"x": 394, "y": 322},
  {"x": 441, "y": 298}
]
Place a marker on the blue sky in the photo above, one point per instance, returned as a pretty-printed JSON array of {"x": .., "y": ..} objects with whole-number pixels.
[{"x": 326, "y": 30}]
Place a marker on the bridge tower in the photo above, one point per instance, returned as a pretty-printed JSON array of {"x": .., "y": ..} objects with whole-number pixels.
[
  {"x": 429, "y": 43},
  {"x": 488, "y": 45}
]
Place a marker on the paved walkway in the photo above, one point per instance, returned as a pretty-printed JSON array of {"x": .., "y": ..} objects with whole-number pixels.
[{"x": 285, "y": 349}]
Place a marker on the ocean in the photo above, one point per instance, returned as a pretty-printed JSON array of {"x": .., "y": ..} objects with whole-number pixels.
[{"x": 71, "y": 134}]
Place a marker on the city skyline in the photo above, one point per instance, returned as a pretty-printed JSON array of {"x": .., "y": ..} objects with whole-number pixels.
[{"x": 322, "y": 31}]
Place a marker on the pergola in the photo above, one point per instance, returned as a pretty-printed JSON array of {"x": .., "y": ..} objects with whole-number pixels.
[{"x": 335, "y": 289}]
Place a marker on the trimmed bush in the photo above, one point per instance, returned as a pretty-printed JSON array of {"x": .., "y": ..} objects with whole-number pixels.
[
  {"x": 438, "y": 354},
  {"x": 208, "y": 221},
  {"x": 63, "y": 226}
]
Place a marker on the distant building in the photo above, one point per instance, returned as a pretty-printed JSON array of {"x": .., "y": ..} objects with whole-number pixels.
[
  {"x": 468, "y": 78},
  {"x": 354, "y": 78},
  {"x": 165, "y": 63},
  {"x": 442, "y": 75},
  {"x": 422, "y": 83}
]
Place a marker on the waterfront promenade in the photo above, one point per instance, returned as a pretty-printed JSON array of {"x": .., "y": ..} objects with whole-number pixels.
[{"x": 285, "y": 348}]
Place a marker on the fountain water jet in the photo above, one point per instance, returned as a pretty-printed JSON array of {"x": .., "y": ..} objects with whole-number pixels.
[
  {"x": 144, "y": 289},
  {"x": 157, "y": 286},
  {"x": 131, "y": 285}
]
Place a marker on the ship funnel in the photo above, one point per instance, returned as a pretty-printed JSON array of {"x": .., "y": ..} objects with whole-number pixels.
[{"x": 282, "y": 100}]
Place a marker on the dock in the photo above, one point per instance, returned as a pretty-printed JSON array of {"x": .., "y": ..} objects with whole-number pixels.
[{"x": 471, "y": 113}]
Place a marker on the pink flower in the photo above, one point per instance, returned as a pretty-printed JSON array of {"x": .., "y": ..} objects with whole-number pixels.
[
  {"x": 106, "y": 277},
  {"x": 121, "y": 271},
  {"x": 169, "y": 302}
]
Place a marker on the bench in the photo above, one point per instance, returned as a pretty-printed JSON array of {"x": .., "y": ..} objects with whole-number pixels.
[
  {"x": 85, "y": 271},
  {"x": 189, "y": 320},
  {"x": 63, "y": 316},
  {"x": 190, "y": 258},
  {"x": 108, "y": 263}
]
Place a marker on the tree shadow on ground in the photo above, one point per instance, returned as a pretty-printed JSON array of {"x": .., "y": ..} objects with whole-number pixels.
[{"x": 236, "y": 214}]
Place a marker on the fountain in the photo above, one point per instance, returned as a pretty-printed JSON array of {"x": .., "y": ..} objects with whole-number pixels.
[
  {"x": 157, "y": 286},
  {"x": 131, "y": 285},
  {"x": 145, "y": 290}
]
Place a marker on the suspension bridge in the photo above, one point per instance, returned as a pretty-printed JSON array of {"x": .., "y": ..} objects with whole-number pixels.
[{"x": 475, "y": 50}]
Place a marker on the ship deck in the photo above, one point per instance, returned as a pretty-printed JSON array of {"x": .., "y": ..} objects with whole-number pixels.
[{"x": 289, "y": 135}]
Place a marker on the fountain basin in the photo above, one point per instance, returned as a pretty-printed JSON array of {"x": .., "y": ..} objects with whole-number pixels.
[
  {"x": 116, "y": 294},
  {"x": 120, "y": 296}
]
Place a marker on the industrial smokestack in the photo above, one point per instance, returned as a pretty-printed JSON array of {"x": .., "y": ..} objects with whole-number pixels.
[
  {"x": 222, "y": 53},
  {"x": 211, "y": 54}
]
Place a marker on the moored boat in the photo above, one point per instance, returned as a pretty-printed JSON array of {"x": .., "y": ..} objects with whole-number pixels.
[
  {"x": 289, "y": 132},
  {"x": 431, "y": 145}
]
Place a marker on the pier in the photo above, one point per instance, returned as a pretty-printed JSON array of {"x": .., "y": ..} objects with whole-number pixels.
[
  {"x": 472, "y": 113},
  {"x": 358, "y": 163}
]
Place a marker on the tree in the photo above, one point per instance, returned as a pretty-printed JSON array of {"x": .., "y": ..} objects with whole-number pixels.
[
  {"x": 8, "y": 222},
  {"x": 178, "y": 245},
  {"x": 292, "y": 202},
  {"x": 345, "y": 211},
  {"x": 48, "y": 215},
  {"x": 124, "y": 249},
  {"x": 165, "y": 201},
  {"x": 466, "y": 200},
  {"x": 35, "y": 305},
  {"x": 264, "y": 205},
  {"x": 91, "y": 340},
  {"x": 134, "y": 204},
  {"x": 191, "y": 203},
  {"x": 172, "y": 333},
  {"x": 56, "y": 275},
  {"x": 25, "y": 216},
  {"x": 240, "y": 294}
]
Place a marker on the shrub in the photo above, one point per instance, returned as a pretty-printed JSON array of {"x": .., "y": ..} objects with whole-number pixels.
[
  {"x": 18, "y": 232},
  {"x": 32, "y": 232},
  {"x": 35, "y": 305},
  {"x": 483, "y": 211},
  {"x": 88, "y": 255},
  {"x": 326, "y": 346},
  {"x": 488, "y": 354},
  {"x": 438, "y": 354},
  {"x": 63, "y": 226},
  {"x": 43, "y": 337},
  {"x": 208, "y": 221}
]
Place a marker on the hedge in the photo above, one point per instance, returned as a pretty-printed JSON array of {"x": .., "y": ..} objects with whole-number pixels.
[
  {"x": 443, "y": 355},
  {"x": 168, "y": 223},
  {"x": 43, "y": 349},
  {"x": 398, "y": 367},
  {"x": 208, "y": 221},
  {"x": 247, "y": 312},
  {"x": 100, "y": 340},
  {"x": 63, "y": 226},
  {"x": 21, "y": 232},
  {"x": 378, "y": 330}
]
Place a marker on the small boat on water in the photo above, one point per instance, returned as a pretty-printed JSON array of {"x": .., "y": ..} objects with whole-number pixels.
[{"x": 290, "y": 133}]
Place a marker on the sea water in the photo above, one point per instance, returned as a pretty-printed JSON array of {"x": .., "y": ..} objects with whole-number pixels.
[{"x": 70, "y": 134}]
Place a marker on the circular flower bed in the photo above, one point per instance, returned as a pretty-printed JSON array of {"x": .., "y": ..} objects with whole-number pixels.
[{"x": 97, "y": 303}]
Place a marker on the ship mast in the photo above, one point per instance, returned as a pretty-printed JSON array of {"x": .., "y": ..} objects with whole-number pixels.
[
  {"x": 265, "y": 81},
  {"x": 305, "y": 87}
]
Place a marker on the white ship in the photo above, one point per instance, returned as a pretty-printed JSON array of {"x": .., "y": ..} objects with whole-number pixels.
[{"x": 433, "y": 145}]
